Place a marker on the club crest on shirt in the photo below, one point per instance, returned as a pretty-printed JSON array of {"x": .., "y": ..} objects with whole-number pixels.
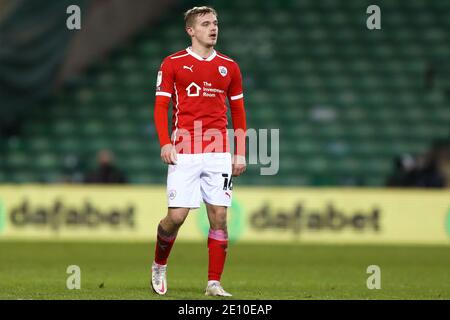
[{"x": 223, "y": 71}]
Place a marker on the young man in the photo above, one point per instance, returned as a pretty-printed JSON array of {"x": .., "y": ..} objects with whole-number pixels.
[{"x": 198, "y": 80}]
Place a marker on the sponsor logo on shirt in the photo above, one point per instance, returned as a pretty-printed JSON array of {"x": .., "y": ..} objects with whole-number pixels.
[
  {"x": 193, "y": 90},
  {"x": 209, "y": 91}
]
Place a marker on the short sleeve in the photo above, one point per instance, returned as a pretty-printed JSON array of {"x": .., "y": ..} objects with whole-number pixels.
[
  {"x": 165, "y": 79},
  {"x": 235, "y": 90}
]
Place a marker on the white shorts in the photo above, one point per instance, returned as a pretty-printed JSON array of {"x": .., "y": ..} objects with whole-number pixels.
[{"x": 197, "y": 177}]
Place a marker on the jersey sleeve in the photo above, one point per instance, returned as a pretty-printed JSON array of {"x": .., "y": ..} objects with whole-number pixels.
[
  {"x": 236, "y": 99},
  {"x": 235, "y": 90},
  {"x": 165, "y": 79}
]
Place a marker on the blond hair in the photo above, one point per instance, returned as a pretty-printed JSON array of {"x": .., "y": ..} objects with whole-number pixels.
[{"x": 191, "y": 14}]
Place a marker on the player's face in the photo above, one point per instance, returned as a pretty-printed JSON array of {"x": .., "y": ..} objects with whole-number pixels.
[{"x": 206, "y": 29}]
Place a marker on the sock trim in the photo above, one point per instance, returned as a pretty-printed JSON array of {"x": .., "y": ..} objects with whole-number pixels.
[
  {"x": 158, "y": 264},
  {"x": 219, "y": 235}
]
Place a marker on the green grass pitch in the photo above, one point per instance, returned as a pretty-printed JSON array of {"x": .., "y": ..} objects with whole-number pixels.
[{"x": 37, "y": 270}]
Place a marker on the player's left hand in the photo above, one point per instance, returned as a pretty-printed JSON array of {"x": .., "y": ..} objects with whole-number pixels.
[{"x": 239, "y": 165}]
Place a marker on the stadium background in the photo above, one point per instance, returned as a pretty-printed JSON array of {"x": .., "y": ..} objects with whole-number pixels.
[{"x": 359, "y": 112}]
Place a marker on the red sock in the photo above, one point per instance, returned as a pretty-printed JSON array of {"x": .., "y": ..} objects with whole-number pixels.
[
  {"x": 217, "y": 245},
  {"x": 164, "y": 243}
]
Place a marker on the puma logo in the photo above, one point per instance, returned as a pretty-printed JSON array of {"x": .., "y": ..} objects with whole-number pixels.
[{"x": 188, "y": 68}]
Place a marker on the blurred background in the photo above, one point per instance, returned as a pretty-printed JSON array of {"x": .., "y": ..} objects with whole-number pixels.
[
  {"x": 355, "y": 107},
  {"x": 359, "y": 112}
]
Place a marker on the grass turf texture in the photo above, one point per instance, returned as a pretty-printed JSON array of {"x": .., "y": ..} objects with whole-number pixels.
[{"x": 37, "y": 270}]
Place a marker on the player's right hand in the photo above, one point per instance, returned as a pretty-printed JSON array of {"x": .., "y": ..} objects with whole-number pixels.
[{"x": 169, "y": 154}]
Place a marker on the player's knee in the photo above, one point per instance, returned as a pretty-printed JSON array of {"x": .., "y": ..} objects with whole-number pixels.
[{"x": 177, "y": 219}]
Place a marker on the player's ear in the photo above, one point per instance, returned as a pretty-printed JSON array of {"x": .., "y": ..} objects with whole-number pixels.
[{"x": 190, "y": 31}]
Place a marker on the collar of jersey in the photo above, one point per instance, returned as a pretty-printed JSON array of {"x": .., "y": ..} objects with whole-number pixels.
[{"x": 192, "y": 53}]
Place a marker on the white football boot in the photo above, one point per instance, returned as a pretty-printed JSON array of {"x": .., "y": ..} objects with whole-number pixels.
[
  {"x": 159, "y": 280},
  {"x": 215, "y": 289}
]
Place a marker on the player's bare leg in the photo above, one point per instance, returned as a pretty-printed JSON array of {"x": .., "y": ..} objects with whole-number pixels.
[
  {"x": 217, "y": 247},
  {"x": 167, "y": 233}
]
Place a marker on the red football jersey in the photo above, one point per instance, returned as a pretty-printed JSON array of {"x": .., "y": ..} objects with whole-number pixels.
[{"x": 199, "y": 88}]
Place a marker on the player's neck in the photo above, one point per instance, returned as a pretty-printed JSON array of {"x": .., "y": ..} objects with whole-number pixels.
[{"x": 202, "y": 51}]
